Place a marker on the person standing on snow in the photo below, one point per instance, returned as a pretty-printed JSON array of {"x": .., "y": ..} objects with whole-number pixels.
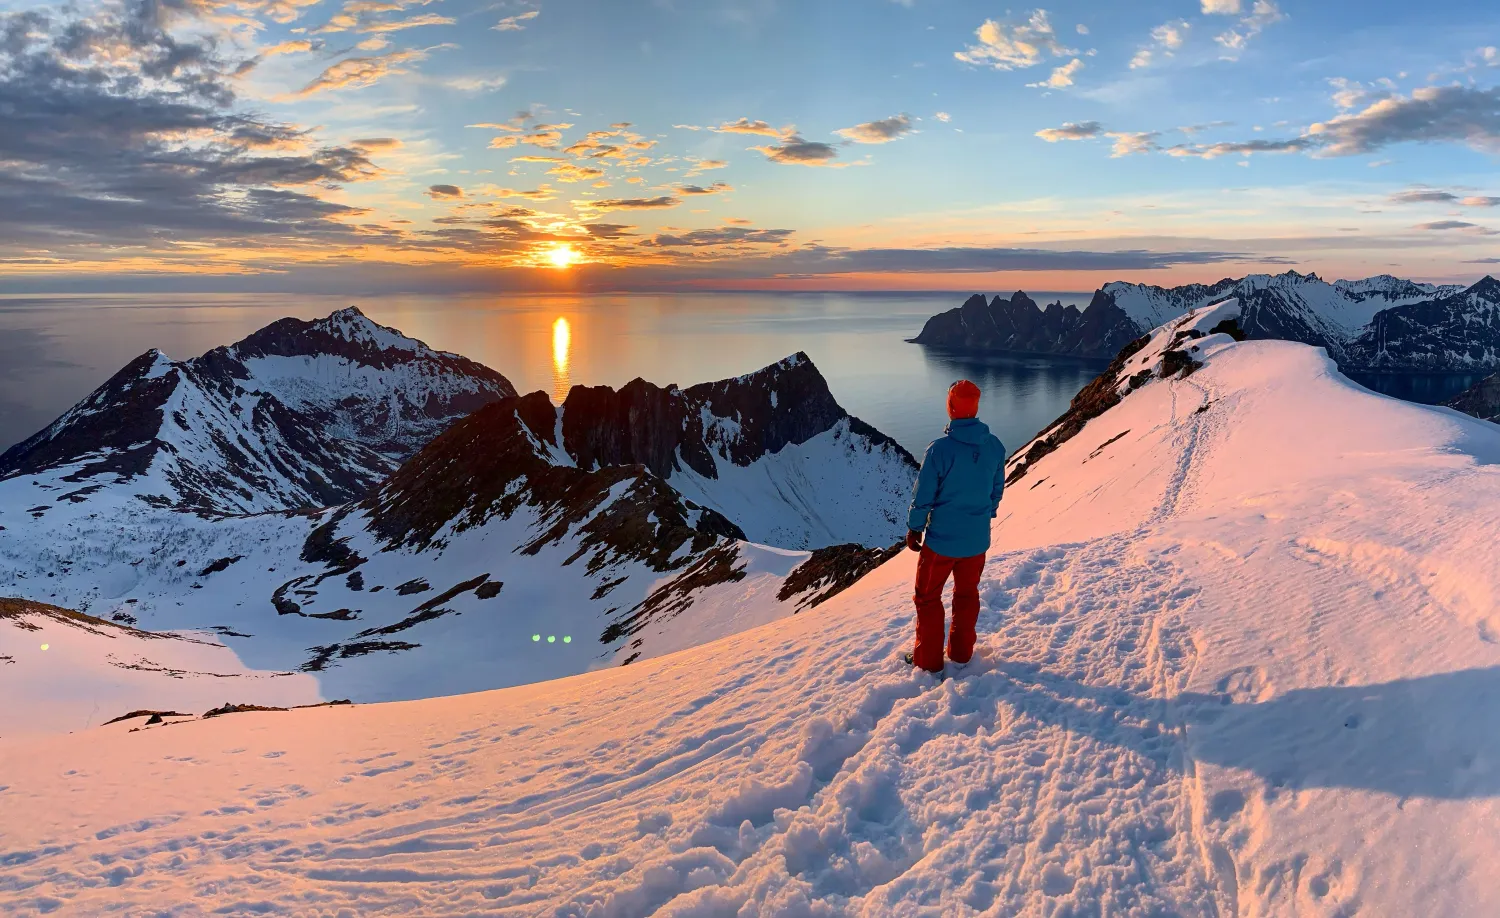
[{"x": 956, "y": 495}]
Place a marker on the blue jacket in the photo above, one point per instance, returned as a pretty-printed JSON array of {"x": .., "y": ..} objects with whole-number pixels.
[{"x": 958, "y": 490}]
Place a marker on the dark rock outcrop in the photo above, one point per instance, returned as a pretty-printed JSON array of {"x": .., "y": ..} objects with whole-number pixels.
[
  {"x": 1482, "y": 400},
  {"x": 1017, "y": 324}
]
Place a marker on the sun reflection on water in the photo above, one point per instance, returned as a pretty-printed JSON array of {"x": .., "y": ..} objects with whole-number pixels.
[{"x": 562, "y": 343}]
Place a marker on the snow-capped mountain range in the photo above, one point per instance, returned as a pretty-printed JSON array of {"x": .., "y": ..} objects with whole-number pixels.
[
  {"x": 1376, "y": 323},
  {"x": 299, "y": 414},
  {"x": 620, "y": 524}
]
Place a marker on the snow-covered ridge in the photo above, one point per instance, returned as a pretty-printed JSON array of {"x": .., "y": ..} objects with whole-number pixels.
[
  {"x": 297, "y": 414},
  {"x": 1238, "y": 657},
  {"x": 1435, "y": 327}
]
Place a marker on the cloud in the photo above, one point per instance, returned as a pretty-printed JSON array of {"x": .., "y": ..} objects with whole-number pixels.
[
  {"x": 1071, "y": 130},
  {"x": 358, "y": 72},
  {"x": 795, "y": 151},
  {"x": 1062, "y": 76},
  {"x": 1456, "y": 114},
  {"x": 513, "y": 23},
  {"x": 1221, "y": 7},
  {"x": 702, "y": 165},
  {"x": 546, "y": 136},
  {"x": 943, "y": 117},
  {"x": 571, "y": 172},
  {"x": 1170, "y": 35},
  {"x": 658, "y": 203},
  {"x": 1008, "y": 46},
  {"x": 1131, "y": 143},
  {"x": 1242, "y": 148},
  {"x": 397, "y": 25},
  {"x": 376, "y": 143},
  {"x": 121, "y": 129},
  {"x": 616, "y": 143},
  {"x": 724, "y": 235},
  {"x": 541, "y": 193},
  {"x": 746, "y": 126},
  {"x": 715, "y": 188},
  {"x": 816, "y": 260},
  {"x": 1191, "y": 129},
  {"x": 1423, "y": 195},
  {"x": 1446, "y": 225},
  {"x": 474, "y": 84},
  {"x": 295, "y": 46},
  {"x": 1263, "y": 13},
  {"x": 437, "y": 192},
  {"x": 1434, "y": 114},
  {"x": 882, "y": 131},
  {"x": 1166, "y": 39},
  {"x": 1349, "y": 94},
  {"x": 1082, "y": 29}
]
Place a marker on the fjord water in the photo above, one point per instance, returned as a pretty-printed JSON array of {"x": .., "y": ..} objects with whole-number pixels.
[{"x": 55, "y": 350}]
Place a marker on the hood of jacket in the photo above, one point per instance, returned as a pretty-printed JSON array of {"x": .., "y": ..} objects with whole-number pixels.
[{"x": 968, "y": 430}]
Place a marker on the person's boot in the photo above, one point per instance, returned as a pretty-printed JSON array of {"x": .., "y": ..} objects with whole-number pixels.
[{"x": 911, "y": 660}]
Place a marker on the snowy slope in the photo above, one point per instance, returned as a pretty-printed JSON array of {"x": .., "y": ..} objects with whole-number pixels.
[
  {"x": 1239, "y": 657},
  {"x": 62, "y": 671},
  {"x": 840, "y": 487},
  {"x": 297, "y": 414}
]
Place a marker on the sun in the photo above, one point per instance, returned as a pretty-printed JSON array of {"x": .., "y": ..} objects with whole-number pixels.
[{"x": 562, "y": 256}]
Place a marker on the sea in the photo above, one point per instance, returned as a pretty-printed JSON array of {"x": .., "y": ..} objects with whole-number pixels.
[{"x": 54, "y": 350}]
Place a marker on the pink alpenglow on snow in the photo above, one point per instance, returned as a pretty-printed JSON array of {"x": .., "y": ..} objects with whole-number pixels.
[{"x": 1239, "y": 653}]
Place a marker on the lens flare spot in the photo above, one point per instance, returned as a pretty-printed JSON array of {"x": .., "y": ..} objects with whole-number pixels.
[
  {"x": 45, "y": 646},
  {"x": 551, "y": 639},
  {"x": 536, "y": 637},
  {"x": 568, "y": 639}
]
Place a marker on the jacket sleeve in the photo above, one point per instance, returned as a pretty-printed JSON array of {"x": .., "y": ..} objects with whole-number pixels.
[
  {"x": 924, "y": 493},
  {"x": 998, "y": 490}
]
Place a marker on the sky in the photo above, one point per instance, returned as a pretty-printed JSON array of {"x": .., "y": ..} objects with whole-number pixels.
[{"x": 575, "y": 145}]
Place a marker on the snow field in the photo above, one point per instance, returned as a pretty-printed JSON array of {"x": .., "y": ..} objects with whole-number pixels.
[
  {"x": 65, "y": 677},
  {"x": 833, "y": 489}
]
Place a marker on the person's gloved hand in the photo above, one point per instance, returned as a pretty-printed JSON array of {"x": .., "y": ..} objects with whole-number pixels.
[{"x": 913, "y": 540}]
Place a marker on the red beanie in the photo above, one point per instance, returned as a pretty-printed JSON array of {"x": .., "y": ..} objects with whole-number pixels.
[{"x": 963, "y": 400}]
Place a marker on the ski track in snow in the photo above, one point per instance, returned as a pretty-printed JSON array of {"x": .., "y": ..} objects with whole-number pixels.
[{"x": 1239, "y": 660}]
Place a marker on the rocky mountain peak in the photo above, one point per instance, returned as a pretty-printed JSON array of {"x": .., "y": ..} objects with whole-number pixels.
[
  {"x": 296, "y": 414},
  {"x": 1486, "y": 288}
]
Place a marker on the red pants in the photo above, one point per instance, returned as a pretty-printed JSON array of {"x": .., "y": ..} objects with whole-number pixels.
[{"x": 933, "y": 571}]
